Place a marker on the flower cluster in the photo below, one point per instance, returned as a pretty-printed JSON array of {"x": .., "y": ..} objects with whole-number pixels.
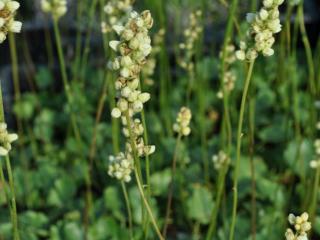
[
  {"x": 316, "y": 163},
  {"x": 57, "y": 8},
  {"x": 183, "y": 121},
  {"x": 6, "y": 139},
  {"x": 191, "y": 35},
  {"x": 116, "y": 11},
  {"x": 121, "y": 166},
  {"x": 301, "y": 227},
  {"x": 229, "y": 78},
  {"x": 8, "y": 9},
  {"x": 264, "y": 24},
  {"x": 149, "y": 68},
  {"x": 133, "y": 48},
  {"x": 220, "y": 160}
]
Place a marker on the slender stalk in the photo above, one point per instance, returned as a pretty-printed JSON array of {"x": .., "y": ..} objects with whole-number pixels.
[
  {"x": 13, "y": 200},
  {"x": 313, "y": 205},
  {"x": 6, "y": 192},
  {"x": 76, "y": 64},
  {"x": 171, "y": 186},
  {"x": 86, "y": 49},
  {"x": 15, "y": 76},
  {"x": 63, "y": 70},
  {"x": 126, "y": 197},
  {"x": 227, "y": 129},
  {"x": 88, "y": 197},
  {"x": 12, "y": 197},
  {"x": 138, "y": 176},
  {"x": 153, "y": 220},
  {"x": 239, "y": 136},
  {"x": 310, "y": 64},
  {"x": 213, "y": 220},
  {"x": 252, "y": 169}
]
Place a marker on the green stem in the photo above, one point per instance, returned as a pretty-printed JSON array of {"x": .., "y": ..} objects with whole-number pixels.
[
  {"x": 12, "y": 199},
  {"x": 126, "y": 197},
  {"x": 63, "y": 70},
  {"x": 15, "y": 76},
  {"x": 171, "y": 186},
  {"x": 313, "y": 204},
  {"x": 86, "y": 49},
  {"x": 137, "y": 171},
  {"x": 88, "y": 197},
  {"x": 226, "y": 120},
  {"x": 239, "y": 136},
  {"x": 213, "y": 220},
  {"x": 6, "y": 192},
  {"x": 252, "y": 169}
]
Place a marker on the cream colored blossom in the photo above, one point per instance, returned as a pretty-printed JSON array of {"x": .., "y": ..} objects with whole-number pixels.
[
  {"x": 8, "y": 10},
  {"x": 57, "y": 8},
  {"x": 121, "y": 166},
  {"x": 132, "y": 48},
  {"x": 6, "y": 139},
  {"x": 301, "y": 227},
  {"x": 263, "y": 25},
  {"x": 182, "y": 125}
]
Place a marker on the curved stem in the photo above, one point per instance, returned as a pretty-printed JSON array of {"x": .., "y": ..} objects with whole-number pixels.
[
  {"x": 170, "y": 195},
  {"x": 239, "y": 136}
]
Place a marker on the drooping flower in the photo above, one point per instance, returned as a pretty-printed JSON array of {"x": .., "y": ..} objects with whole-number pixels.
[{"x": 8, "y": 10}]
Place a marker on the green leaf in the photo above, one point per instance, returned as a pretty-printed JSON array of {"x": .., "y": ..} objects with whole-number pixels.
[{"x": 200, "y": 204}]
